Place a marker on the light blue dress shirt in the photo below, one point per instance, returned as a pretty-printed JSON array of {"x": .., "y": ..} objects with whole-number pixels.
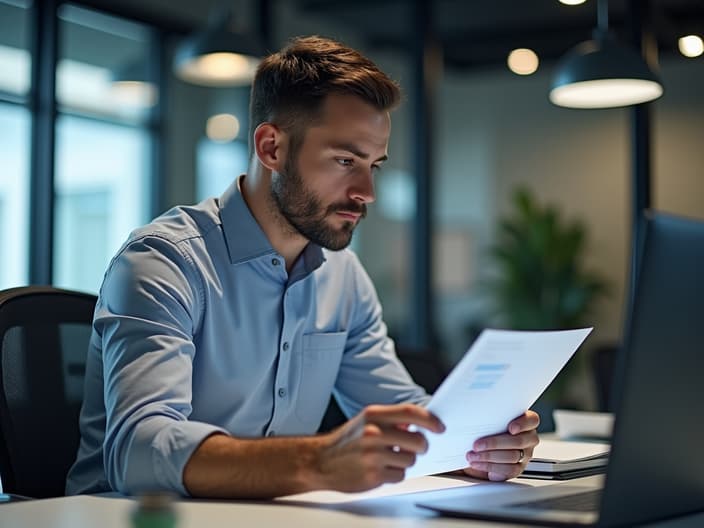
[{"x": 199, "y": 328}]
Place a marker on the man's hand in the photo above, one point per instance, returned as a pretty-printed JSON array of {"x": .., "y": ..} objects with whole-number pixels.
[
  {"x": 374, "y": 447},
  {"x": 504, "y": 456}
]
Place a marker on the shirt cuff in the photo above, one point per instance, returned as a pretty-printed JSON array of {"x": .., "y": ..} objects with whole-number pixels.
[{"x": 172, "y": 448}]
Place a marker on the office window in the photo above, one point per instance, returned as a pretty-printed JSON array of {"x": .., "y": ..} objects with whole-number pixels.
[
  {"x": 15, "y": 66},
  {"x": 103, "y": 143},
  {"x": 218, "y": 166},
  {"x": 14, "y": 194},
  {"x": 101, "y": 177},
  {"x": 103, "y": 67},
  {"x": 15, "y": 62}
]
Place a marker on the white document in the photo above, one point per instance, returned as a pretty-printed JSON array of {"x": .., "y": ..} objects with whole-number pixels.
[{"x": 498, "y": 379}]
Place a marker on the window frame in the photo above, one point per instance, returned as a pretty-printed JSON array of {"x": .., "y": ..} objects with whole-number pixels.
[{"x": 44, "y": 27}]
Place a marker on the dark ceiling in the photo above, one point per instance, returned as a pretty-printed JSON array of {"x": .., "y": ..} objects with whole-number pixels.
[
  {"x": 475, "y": 33},
  {"x": 472, "y": 33}
]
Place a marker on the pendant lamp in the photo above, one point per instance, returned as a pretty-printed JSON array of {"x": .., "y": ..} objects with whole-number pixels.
[
  {"x": 602, "y": 73},
  {"x": 218, "y": 56}
]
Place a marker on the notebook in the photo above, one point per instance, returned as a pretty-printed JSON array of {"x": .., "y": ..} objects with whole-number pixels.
[
  {"x": 559, "y": 460},
  {"x": 655, "y": 470}
]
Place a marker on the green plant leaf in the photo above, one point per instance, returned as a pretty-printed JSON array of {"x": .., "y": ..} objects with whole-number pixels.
[{"x": 541, "y": 282}]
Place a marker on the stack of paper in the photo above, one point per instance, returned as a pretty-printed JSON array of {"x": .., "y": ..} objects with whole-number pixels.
[{"x": 558, "y": 459}]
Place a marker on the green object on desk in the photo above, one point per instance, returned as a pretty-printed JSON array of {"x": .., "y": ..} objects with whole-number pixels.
[{"x": 154, "y": 510}]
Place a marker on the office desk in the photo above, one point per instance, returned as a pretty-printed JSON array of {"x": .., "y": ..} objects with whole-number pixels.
[{"x": 387, "y": 512}]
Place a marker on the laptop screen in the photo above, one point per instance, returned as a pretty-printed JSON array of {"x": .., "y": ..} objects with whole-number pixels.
[{"x": 657, "y": 461}]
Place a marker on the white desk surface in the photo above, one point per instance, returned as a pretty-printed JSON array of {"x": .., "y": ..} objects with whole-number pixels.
[{"x": 388, "y": 512}]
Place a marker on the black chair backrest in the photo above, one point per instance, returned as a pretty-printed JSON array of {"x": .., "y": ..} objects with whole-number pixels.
[{"x": 44, "y": 336}]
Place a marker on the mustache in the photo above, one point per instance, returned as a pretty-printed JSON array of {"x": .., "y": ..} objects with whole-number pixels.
[{"x": 352, "y": 207}]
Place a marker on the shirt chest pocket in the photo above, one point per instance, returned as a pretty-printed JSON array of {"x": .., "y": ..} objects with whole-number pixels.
[{"x": 320, "y": 363}]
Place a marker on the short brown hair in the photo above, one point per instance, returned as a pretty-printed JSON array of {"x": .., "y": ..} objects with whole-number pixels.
[{"x": 290, "y": 86}]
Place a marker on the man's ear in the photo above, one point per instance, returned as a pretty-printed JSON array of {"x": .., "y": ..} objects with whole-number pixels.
[{"x": 269, "y": 146}]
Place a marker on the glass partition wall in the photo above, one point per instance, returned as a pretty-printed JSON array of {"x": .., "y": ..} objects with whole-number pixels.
[
  {"x": 15, "y": 66},
  {"x": 103, "y": 148},
  {"x": 101, "y": 137}
]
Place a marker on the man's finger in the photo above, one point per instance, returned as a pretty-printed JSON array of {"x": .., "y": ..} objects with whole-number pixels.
[
  {"x": 399, "y": 459},
  {"x": 507, "y": 441},
  {"x": 528, "y": 421},
  {"x": 403, "y": 440},
  {"x": 497, "y": 471},
  {"x": 475, "y": 473},
  {"x": 505, "y": 456},
  {"x": 403, "y": 414},
  {"x": 392, "y": 474}
]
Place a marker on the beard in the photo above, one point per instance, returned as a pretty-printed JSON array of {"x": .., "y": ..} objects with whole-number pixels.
[{"x": 304, "y": 211}]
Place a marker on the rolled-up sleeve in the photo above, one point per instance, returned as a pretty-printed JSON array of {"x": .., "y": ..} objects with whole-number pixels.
[{"x": 148, "y": 311}]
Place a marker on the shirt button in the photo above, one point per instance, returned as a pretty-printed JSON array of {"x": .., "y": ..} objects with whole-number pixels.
[
  {"x": 275, "y": 261},
  {"x": 285, "y": 347},
  {"x": 282, "y": 393}
]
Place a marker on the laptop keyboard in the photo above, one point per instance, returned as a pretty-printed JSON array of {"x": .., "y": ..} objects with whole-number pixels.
[{"x": 581, "y": 502}]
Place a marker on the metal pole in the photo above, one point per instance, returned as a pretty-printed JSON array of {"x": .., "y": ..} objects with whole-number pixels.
[
  {"x": 426, "y": 62},
  {"x": 264, "y": 18},
  {"x": 641, "y": 131},
  {"x": 43, "y": 107},
  {"x": 602, "y": 15}
]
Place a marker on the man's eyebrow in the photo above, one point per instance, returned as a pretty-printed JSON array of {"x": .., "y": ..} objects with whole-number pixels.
[{"x": 349, "y": 147}]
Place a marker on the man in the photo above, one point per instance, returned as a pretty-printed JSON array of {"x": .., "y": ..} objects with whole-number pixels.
[{"x": 222, "y": 329}]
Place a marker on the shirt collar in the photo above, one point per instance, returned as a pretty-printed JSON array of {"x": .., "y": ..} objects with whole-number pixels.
[{"x": 245, "y": 239}]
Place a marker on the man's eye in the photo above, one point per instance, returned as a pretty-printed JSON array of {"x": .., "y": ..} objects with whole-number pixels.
[
  {"x": 376, "y": 168},
  {"x": 345, "y": 162}
]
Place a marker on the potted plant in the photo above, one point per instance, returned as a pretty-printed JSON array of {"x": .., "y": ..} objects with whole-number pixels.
[{"x": 540, "y": 281}]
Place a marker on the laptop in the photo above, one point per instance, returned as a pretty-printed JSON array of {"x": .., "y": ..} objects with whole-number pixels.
[{"x": 656, "y": 467}]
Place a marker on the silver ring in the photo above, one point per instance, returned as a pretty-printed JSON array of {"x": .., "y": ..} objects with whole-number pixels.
[{"x": 521, "y": 456}]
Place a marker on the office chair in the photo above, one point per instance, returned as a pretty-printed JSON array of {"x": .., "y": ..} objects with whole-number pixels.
[{"x": 44, "y": 335}]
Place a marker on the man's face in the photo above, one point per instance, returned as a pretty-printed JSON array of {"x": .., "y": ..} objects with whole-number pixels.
[{"x": 325, "y": 186}]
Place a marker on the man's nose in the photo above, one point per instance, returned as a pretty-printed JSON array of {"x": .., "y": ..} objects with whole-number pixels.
[{"x": 363, "y": 188}]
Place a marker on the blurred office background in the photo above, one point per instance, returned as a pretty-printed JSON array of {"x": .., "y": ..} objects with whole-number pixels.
[{"x": 85, "y": 158}]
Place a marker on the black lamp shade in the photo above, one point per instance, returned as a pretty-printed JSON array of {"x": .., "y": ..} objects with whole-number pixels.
[
  {"x": 601, "y": 73},
  {"x": 218, "y": 57}
]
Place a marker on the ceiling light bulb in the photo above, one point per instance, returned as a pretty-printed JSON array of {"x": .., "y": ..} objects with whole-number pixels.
[
  {"x": 523, "y": 61},
  {"x": 220, "y": 69},
  {"x": 222, "y": 127},
  {"x": 606, "y": 93},
  {"x": 223, "y": 64},
  {"x": 691, "y": 46},
  {"x": 572, "y": 2}
]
